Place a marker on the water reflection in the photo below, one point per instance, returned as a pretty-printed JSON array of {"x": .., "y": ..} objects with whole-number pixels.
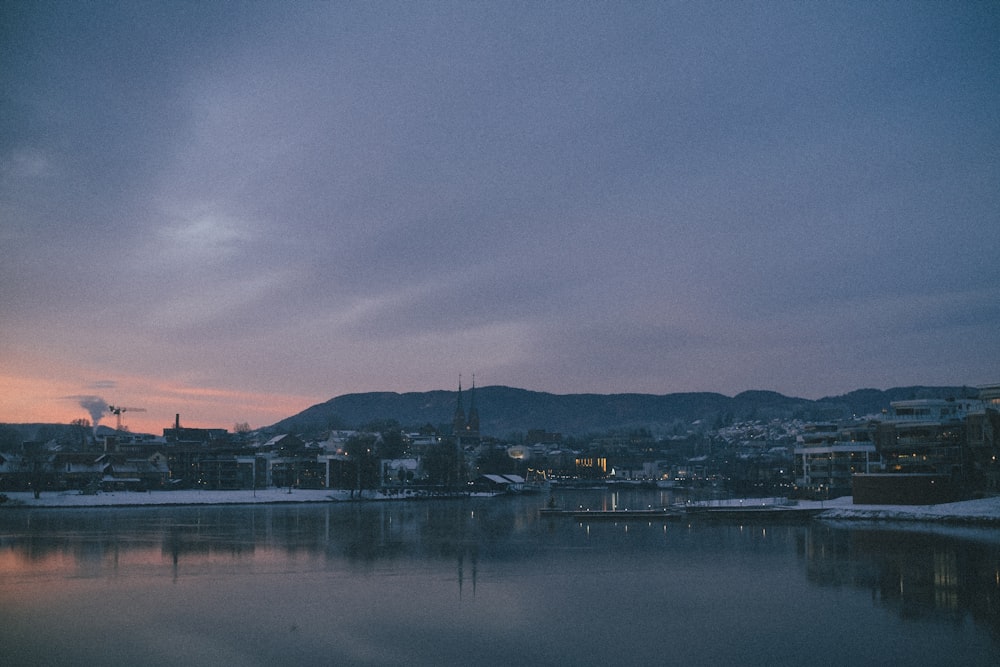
[
  {"x": 915, "y": 574},
  {"x": 390, "y": 583},
  {"x": 95, "y": 543}
]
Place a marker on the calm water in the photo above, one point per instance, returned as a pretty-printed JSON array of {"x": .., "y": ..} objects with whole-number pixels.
[{"x": 485, "y": 582}]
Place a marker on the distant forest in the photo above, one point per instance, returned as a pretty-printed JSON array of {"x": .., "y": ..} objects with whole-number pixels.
[{"x": 507, "y": 411}]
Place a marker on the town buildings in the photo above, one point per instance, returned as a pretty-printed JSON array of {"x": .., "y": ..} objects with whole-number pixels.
[
  {"x": 827, "y": 456},
  {"x": 916, "y": 450}
]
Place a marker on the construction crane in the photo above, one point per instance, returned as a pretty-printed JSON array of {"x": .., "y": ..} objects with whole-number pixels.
[{"x": 117, "y": 412}]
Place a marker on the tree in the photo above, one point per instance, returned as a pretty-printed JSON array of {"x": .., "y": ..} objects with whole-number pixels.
[
  {"x": 360, "y": 449},
  {"x": 391, "y": 444},
  {"x": 441, "y": 464},
  {"x": 496, "y": 460},
  {"x": 37, "y": 464}
]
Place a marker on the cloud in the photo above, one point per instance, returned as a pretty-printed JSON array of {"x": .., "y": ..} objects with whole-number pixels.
[
  {"x": 24, "y": 164},
  {"x": 648, "y": 197}
]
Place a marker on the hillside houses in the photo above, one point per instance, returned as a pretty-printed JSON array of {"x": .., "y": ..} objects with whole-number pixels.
[{"x": 949, "y": 444}]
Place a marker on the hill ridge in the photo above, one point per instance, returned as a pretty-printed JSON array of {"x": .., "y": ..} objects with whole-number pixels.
[{"x": 507, "y": 410}]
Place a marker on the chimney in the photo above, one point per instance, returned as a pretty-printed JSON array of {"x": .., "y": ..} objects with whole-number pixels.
[{"x": 177, "y": 421}]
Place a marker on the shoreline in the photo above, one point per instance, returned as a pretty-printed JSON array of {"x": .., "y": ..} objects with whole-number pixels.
[
  {"x": 271, "y": 496},
  {"x": 982, "y": 512}
]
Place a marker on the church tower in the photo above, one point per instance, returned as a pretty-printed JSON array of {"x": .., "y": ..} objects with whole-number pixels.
[
  {"x": 472, "y": 425},
  {"x": 458, "y": 420},
  {"x": 466, "y": 430}
]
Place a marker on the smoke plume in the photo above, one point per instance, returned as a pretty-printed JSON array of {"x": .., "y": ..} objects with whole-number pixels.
[{"x": 96, "y": 406}]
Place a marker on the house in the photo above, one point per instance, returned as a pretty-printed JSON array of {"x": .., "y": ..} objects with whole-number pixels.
[
  {"x": 399, "y": 471},
  {"x": 120, "y": 472},
  {"x": 283, "y": 443},
  {"x": 77, "y": 470}
]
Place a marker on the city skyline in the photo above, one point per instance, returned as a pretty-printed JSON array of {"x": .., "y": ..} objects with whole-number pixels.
[{"x": 236, "y": 211}]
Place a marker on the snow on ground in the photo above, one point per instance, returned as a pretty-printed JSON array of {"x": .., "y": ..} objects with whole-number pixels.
[
  {"x": 983, "y": 511},
  {"x": 190, "y": 497}
]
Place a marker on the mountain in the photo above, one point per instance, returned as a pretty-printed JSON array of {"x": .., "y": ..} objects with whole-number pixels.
[{"x": 507, "y": 410}]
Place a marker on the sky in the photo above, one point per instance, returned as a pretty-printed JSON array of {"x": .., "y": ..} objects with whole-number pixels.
[{"x": 234, "y": 210}]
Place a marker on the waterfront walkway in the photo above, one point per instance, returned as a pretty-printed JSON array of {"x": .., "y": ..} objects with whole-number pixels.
[{"x": 983, "y": 511}]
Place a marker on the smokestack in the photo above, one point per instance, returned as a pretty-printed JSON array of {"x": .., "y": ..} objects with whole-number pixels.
[{"x": 177, "y": 421}]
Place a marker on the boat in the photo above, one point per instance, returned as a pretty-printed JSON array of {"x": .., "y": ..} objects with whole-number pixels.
[{"x": 536, "y": 481}]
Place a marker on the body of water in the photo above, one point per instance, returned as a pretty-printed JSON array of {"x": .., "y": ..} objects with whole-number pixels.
[{"x": 486, "y": 582}]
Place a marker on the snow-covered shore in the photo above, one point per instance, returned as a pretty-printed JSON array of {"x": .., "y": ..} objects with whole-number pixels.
[
  {"x": 984, "y": 511},
  {"x": 193, "y": 497}
]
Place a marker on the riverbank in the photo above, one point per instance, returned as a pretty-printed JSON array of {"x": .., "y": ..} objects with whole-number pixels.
[
  {"x": 983, "y": 511},
  {"x": 18, "y": 499}
]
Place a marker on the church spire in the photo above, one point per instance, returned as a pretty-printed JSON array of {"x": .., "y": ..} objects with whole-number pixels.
[
  {"x": 472, "y": 426},
  {"x": 458, "y": 421}
]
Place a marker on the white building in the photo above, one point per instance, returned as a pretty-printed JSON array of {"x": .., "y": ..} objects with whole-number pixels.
[{"x": 826, "y": 456}]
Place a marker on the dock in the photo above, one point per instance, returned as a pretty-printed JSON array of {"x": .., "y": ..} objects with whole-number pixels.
[
  {"x": 617, "y": 515},
  {"x": 766, "y": 512},
  {"x": 770, "y": 513}
]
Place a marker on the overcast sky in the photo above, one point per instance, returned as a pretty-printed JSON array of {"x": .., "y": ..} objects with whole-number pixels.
[{"x": 233, "y": 211}]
